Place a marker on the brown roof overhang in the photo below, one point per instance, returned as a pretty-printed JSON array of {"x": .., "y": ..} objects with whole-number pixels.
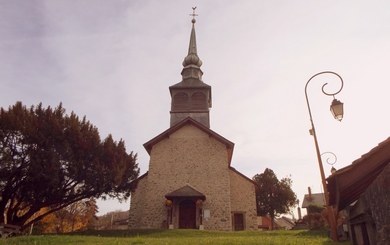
[
  {"x": 186, "y": 192},
  {"x": 347, "y": 184}
]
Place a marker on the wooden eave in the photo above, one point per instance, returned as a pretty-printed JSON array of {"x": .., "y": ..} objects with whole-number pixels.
[
  {"x": 347, "y": 184},
  {"x": 190, "y": 83},
  {"x": 229, "y": 145}
]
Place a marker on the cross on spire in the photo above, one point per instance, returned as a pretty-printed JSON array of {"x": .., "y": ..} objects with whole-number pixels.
[{"x": 193, "y": 14}]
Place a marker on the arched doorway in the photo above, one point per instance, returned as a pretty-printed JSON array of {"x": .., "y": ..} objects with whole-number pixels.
[{"x": 187, "y": 214}]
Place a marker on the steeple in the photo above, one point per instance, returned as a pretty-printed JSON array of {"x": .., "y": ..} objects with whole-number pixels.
[
  {"x": 191, "y": 97},
  {"x": 192, "y": 62},
  {"x": 192, "y": 57}
]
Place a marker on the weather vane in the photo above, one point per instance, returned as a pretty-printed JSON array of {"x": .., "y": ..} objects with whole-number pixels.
[{"x": 193, "y": 14}]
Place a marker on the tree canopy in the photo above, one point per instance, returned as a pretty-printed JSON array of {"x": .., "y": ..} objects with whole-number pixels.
[
  {"x": 273, "y": 196},
  {"x": 49, "y": 160}
]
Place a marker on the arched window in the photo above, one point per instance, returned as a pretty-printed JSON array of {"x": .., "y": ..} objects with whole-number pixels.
[
  {"x": 180, "y": 101},
  {"x": 198, "y": 101}
]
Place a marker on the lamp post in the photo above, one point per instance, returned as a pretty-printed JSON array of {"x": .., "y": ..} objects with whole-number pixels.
[{"x": 337, "y": 110}]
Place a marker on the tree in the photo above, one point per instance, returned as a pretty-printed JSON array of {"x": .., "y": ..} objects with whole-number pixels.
[
  {"x": 76, "y": 216},
  {"x": 49, "y": 160},
  {"x": 273, "y": 197}
]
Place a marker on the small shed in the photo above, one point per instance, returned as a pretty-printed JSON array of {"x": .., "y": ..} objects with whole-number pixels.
[{"x": 362, "y": 189}]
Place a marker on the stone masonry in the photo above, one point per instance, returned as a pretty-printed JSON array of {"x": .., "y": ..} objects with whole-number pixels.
[{"x": 191, "y": 156}]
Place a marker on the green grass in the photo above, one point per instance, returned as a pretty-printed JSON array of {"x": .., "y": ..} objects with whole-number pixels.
[{"x": 179, "y": 237}]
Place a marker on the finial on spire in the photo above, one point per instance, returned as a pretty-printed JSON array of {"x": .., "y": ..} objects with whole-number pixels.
[{"x": 193, "y": 15}]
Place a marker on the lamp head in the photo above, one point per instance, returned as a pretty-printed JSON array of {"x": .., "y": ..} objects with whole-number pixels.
[{"x": 337, "y": 109}]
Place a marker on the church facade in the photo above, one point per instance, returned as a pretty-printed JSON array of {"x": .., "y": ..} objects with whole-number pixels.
[{"x": 190, "y": 183}]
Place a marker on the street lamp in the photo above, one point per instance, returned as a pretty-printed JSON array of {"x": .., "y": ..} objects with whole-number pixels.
[{"x": 337, "y": 110}]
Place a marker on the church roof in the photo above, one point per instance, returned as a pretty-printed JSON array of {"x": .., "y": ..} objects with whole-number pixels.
[
  {"x": 186, "y": 191},
  {"x": 189, "y": 83},
  {"x": 229, "y": 145}
]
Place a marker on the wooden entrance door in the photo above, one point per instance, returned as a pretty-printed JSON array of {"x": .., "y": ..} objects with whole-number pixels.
[
  {"x": 187, "y": 215},
  {"x": 238, "y": 220}
]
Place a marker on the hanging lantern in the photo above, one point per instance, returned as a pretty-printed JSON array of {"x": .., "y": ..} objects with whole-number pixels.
[
  {"x": 168, "y": 203},
  {"x": 337, "y": 109}
]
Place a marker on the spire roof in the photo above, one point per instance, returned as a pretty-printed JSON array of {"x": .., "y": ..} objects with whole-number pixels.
[{"x": 192, "y": 58}]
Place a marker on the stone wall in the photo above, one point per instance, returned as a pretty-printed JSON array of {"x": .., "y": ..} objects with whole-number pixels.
[
  {"x": 137, "y": 198},
  {"x": 187, "y": 156},
  {"x": 243, "y": 199},
  {"x": 377, "y": 200}
]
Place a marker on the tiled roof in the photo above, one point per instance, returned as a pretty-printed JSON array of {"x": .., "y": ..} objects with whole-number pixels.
[
  {"x": 316, "y": 199},
  {"x": 347, "y": 184},
  {"x": 186, "y": 191}
]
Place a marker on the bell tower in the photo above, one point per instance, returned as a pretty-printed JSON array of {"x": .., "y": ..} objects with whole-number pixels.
[{"x": 191, "y": 97}]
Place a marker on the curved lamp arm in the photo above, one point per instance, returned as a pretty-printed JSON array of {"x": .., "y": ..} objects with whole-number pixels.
[
  {"x": 332, "y": 159},
  {"x": 338, "y": 115}
]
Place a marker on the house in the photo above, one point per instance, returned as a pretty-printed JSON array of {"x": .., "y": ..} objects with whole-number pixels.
[
  {"x": 190, "y": 183},
  {"x": 285, "y": 223},
  {"x": 264, "y": 222},
  {"x": 313, "y": 199},
  {"x": 362, "y": 191}
]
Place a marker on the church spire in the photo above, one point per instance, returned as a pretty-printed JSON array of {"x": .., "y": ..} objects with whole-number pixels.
[
  {"x": 192, "y": 58},
  {"x": 191, "y": 97}
]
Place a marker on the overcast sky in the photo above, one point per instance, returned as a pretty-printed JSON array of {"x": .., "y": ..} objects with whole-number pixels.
[{"x": 113, "y": 62}]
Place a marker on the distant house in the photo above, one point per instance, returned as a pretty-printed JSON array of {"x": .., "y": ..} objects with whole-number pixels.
[
  {"x": 313, "y": 199},
  {"x": 117, "y": 220},
  {"x": 285, "y": 223},
  {"x": 264, "y": 223},
  {"x": 362, "y": 189},
  {"x": 120, "y": 224}
]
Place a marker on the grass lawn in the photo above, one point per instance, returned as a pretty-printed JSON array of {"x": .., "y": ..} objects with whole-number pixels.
[{"x": 182, "y": 237}]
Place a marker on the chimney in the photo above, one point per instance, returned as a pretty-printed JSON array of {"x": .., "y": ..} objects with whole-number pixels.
[
  {"x": 299, "y": 213},
  {"x": 309, "y": 190}
]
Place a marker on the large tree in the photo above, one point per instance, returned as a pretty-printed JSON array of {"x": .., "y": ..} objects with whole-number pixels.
[
  {"x": 49, "y": 160},
  {"x": 273, "y": 196}
]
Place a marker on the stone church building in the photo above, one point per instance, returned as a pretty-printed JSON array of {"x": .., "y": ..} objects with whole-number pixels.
[{"x": 190, "y": 183}]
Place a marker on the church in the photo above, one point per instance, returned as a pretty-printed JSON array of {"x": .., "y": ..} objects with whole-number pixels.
[{"x": 190, "y": 183}]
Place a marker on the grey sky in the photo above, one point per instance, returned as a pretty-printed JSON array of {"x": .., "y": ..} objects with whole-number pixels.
[{"x": 113, "y": 61}]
